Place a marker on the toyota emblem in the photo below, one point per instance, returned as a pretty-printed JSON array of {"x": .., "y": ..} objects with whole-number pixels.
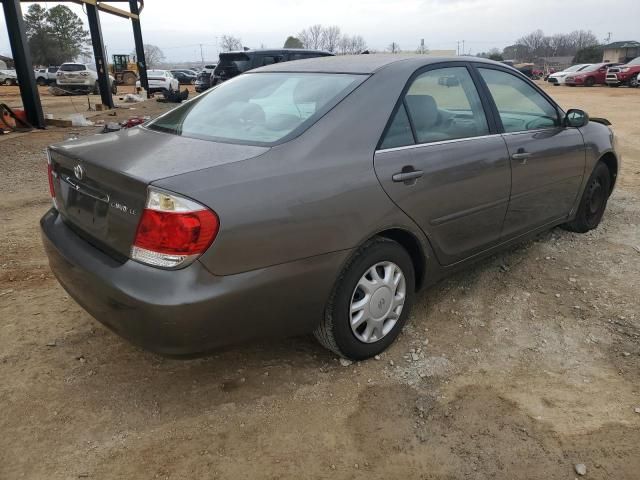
[{"x": 78, "y": 171}]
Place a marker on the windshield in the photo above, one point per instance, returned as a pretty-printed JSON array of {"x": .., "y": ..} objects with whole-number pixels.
[
  {"x": 73, "y": 67},
  {"x": 635, "y": 61},
  {"x": 258, "y": 108}
]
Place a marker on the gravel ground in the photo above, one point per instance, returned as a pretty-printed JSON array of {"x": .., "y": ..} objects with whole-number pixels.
[{"x": 527, "y": 365}]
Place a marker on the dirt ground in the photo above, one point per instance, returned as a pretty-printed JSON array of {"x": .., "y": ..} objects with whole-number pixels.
[
  {"x": 63, "y": 106},
  {"x": 518, "y": 368}
]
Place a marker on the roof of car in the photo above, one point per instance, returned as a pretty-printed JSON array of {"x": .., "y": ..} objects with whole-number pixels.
[
  {"x": 279, "y": 50},
  {"x": 361, "y": 64}
]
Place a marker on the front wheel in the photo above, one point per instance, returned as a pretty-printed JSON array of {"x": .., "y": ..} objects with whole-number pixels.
[
  {"x": 370, "y": 302},
  {"x": 593, "y": 202}
]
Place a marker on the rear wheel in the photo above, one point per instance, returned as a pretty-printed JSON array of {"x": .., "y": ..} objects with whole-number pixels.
[
  {"x": 370, "y": 302},
  {"x": 8, "y": 81},
  {"x": 593, "y": 202},
  {"x": 589, "y": 82}
]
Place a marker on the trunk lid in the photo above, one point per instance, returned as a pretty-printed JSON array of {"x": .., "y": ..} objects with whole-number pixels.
[{"x": 101, "y": 181}]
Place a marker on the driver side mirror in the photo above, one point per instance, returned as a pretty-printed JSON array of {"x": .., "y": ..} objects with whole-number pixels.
[{"x": 576, "y": 118}]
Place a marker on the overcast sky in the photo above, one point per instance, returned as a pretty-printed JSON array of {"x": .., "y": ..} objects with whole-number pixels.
[{"x": 178, "y": 27}]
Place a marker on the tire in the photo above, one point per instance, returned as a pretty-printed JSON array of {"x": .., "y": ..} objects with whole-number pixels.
[
  {"x": 593, "y": 202},
  {"x": 8, "y": 82},
  {"x": 589, "y": 82},
  {"x": 335, "y": 331},
  {"x": 41, "y": 81}
]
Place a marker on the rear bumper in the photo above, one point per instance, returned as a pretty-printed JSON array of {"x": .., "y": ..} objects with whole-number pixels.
[{"x": 189, "y": 311}]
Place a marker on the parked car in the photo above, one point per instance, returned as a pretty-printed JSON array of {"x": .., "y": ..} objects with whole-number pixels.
[
  {"x": 623, "y": 74},
  {"x": 285, "y": 212},
  {"x": 161, "y": 81},
  {"x": 8, "y": 77},
  {"x": 46, "y": 76},
  {"x": 558, "y": 78},
  {"x": 184, "y": 77},
  {"x": 588, "y": 77},
  {"x": 635, "y": 83},
  {"x": 203, "y": 81},
  {"x": 231, "y": 64},
  {"x": 81, "y": 77}
]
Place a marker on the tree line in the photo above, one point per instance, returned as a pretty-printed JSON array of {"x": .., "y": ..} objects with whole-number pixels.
[
  {"x": 55, "y": 35},
  {"x": 536, "y": 45}
]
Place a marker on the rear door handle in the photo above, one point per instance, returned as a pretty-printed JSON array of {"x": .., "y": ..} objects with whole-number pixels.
[
  {"x": 521, "y": 156},
  {"x": 407, "y": 176}
]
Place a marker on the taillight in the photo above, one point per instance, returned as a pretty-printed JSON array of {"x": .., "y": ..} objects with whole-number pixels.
[
  {"x": 173, "y": 230},
  {"x": 51, "y": 175}
]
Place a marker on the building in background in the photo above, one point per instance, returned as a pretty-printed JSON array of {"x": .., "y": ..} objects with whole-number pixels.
[{"x": 621, "y": 52}]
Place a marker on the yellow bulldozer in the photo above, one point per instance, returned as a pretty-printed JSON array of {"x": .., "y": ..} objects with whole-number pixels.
[{"x": 124, "y": 70}]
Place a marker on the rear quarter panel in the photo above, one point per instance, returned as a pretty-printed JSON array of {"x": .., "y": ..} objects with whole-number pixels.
[{"x": 316, "y": 194}]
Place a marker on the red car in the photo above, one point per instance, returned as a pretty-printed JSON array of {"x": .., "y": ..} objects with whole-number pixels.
[
  {"x": 590, "y": 76},
  {"x": 624, "y": 74}
]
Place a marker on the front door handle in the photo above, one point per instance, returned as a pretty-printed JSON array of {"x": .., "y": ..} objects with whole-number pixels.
[{"x": 407, "y": 177}]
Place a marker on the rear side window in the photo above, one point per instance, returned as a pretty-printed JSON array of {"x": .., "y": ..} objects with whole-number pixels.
[
  {"x": 520, "y": 106},
  {"x": 441, "y": 104},
  {"x": 258, "y": 108},
  {"x": 271, "y": 59},
  {"x": 234, "y": 62},
  {"x": 73, "y": 67},
  {"x": 399, "y": 133}
]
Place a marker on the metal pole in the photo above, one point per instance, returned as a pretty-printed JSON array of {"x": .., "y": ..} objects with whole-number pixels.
[
  {"x": 137, "y": 37},
  {"x": 23, "y": 63},
  {"x": 102, "y": 65}
]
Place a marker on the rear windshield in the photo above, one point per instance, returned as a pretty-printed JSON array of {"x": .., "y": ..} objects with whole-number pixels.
[
  {"x": 73, "y": 67},
  {"x": 258, "y": 108}
]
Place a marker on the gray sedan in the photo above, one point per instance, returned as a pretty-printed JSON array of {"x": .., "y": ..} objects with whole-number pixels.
[{"x": 316, "y": 196}]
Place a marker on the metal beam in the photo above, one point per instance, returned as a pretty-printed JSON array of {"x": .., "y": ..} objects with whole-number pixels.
[
  {"x": 137, "y": 36},
  {"x": 104, "y": 7},
  {"x": 102, "y": 65},
  {"x": 23, "y": 65}
]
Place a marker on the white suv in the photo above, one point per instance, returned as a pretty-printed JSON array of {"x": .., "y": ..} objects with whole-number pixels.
[
  {"x": 81, "y": 77},
  {"x": 161, "y": 81}
]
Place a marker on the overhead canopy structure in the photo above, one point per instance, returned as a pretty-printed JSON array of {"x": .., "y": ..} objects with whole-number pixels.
[{"x": 22, "y": 55}]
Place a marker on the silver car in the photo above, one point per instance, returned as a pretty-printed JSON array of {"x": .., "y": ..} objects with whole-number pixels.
[{"x": 316, "y": 196}]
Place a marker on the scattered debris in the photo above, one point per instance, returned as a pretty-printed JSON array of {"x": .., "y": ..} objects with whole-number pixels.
[
  {"x": 51, "y": 344},
  {"x": 580, "y": 468},
  {"x": 132, "y": 98},
  {"x": 345, "y": 363},
  {"x": 79, "y": 120}
]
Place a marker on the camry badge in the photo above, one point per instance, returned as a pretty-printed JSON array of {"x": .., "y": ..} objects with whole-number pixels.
[{"x": 78, "y": 171}]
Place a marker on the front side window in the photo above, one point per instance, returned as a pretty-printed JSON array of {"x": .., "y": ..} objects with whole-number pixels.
[
  {"x": 441, "y": 104},
  {"x": 520, "y": 106},
  {"x": 258, "y": 108}
]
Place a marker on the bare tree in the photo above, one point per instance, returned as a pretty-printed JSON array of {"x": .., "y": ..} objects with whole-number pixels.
[
  {"x": 393, "y": 47},
  {"x": 152, "y": 55},
  {"x": 330, "y": 38},
  {"x": 358, "y": 44},
  {"x": 229, "y": 43},
  {"x": 312, "y": 37}
]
